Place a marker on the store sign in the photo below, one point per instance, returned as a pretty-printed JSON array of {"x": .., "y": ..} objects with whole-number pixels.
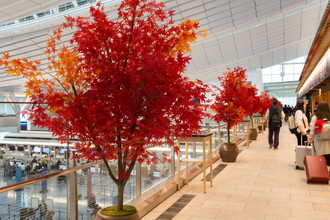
[{"x": 319, "y": 74}]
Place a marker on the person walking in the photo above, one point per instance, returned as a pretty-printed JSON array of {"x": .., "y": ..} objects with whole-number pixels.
[
  {"x": 274, "y": 115},
  {"x": 322, "y": 116},
  {"x": 301, "y": 122},
  {"x": 286, "y": 110}
]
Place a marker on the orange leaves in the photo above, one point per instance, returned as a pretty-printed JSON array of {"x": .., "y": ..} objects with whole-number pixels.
[
  {"x": 187, "y": 34},
  {"x": 231, "y": 94},
  {"x": 6, "y": 56},
  {"x": 57, "y": 33}
]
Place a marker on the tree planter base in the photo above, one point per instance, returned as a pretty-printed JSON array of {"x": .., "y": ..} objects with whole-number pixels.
[
  {"x": 228, "y": 152},
  {"x": 253, "y": 134},
  {"x": 134, "y": 216}
]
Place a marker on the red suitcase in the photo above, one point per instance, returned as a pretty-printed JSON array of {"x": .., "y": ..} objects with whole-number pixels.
[{"x": 316, "y": 169}]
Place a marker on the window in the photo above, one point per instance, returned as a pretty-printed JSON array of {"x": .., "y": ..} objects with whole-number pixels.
[
  {"x": 288, "y": 68},
  {"x": 290, "y": 71},
  {"x": 84, "y": 2},
  {"x": 43, "y": 14},
  {"x": 28, "y": 18},
  {"x": 65, "y": 7}
]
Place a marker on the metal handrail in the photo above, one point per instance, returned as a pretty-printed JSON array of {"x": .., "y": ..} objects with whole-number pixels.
[
  {"x": 46, "y": 177},
  {"x": 60, "y": 173}
]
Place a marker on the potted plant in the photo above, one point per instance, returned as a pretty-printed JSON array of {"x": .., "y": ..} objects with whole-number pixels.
[
  {"x": 227, "y": 107},
  {"x": 117, "y": 87},
  {"x": 265, "y": 103},
  {"x": 251, "y": 106}
]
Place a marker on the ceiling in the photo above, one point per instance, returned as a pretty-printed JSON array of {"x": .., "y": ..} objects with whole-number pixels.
[{"x": 249, "y": 33}]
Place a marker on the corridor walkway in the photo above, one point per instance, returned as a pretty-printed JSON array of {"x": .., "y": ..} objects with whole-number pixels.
[{"x": 262, "y": 184}]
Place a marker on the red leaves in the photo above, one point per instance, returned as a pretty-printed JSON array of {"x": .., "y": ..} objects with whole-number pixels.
[
  {"x": 231, "y": 94},
  {"x": 265, "y": 102},
  {"x": 118, "y": 84}
]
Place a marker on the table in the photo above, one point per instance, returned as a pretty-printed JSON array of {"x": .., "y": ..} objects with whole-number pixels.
[
  {"x": 203, "y": 137},
  {"x": 259, "y": 121},
  {"x": 247, "y": 132}
]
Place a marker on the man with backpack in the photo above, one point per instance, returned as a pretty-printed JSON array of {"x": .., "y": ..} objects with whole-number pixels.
[{"x": 274, "y": 115}]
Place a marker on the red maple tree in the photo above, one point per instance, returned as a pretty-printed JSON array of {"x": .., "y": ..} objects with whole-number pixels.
[
  {"x": 229, "y": 98},
  {"x": 118, "y": 86},
  {"x": 279, "y": 104},
  {"x": 265, "y": 102},
  {"x": 251, "y": 104}
]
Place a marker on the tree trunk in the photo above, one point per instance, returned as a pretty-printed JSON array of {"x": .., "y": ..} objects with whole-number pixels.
[
  {"x": 251, "y": 121},
  {"x": 120, "y": 199},
  {"x": 228, "y": 135}
]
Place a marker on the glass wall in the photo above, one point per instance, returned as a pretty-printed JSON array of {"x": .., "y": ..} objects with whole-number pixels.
[
  {"x": 94, "y": 187},
  {"x": 287, "y": 71},
  {"x": 6, "y": 108}
]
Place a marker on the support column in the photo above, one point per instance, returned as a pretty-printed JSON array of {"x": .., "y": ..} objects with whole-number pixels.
[
  {"x": 72, "y": 196},
  {"x": 138, "y": 179},
  {"x": 72, "y": 191}
]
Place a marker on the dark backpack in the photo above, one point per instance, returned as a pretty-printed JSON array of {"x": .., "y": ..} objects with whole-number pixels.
[{"x": 274, "y": 117}]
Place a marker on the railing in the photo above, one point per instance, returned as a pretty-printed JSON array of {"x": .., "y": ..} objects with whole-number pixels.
[{"x": 86, "y": 188}]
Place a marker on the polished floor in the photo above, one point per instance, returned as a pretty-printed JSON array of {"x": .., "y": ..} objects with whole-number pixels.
[{"x": 262, "y": 184}]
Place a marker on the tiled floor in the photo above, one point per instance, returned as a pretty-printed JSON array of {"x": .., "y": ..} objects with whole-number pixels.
[{"x": 262, "y": 184}]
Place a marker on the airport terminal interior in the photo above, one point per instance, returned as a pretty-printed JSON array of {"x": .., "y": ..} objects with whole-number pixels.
[{"x": 284, "y": 47}]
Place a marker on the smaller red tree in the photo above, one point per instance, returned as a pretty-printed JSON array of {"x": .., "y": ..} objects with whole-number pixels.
[
  {"x": 227, "y": 101},
  {"x": 279, "y": 104},
  {"x": 265, "y": 102},
  {"x": 252, "y": 102}
]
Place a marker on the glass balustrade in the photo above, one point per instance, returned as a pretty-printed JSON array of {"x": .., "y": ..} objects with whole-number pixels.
[{"x": 88, "y": 186}]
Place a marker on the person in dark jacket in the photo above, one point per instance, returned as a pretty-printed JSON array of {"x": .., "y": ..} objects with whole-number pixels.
[{"x": 274, "y": 131}]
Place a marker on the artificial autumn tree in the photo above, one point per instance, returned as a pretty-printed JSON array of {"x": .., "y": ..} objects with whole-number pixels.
[
  {"x": 251, "y": 106},
  {"x": 229, "y": 98},
  {"x": 118, "y": 86},
  {"x": 252, "y": 102},
  {"x": 265, "y": 103},
  {"x": 227, "y": 106}
]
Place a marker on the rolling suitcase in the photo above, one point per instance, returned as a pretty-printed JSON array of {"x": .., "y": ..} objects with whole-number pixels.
[
  {"x": 301, "y": 152},
  {"x": 316, "y": 169}
]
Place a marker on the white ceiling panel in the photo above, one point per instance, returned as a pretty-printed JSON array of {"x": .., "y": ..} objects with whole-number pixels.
[
  {"x": 244, "y": 63},
  {"x": 267, "y": 13},
  {"x": 186, "y": 6},
  {"x": 228, "y": 48},
  {"x": 241, "y": 8},
  {"x": 171, "y": 4},
  {"x": 291, "y": 51},
  {"x": 255, "y": 62},
  {"x": 259, "y": 38},
  {"x": 243, "y": 44},
  {"x": 244, "y": 14},
  {"x": 220, "y": 17},
  {"x": 278, "y": 56},
  {"x": 221, "y": 28},
  {"x": 210, "y": 4},
  {"x": 267, "y": 60},
  {"x": 245, "y": 20},
  {"x": 216, "y": 7},
  {"x": 238, "y": 3},
  {"x": 251, "y": 33},
  {"x": 288, "y": 4},
  {"x": 266, "y": 5},
  {"x": 309, "y": 23}
]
